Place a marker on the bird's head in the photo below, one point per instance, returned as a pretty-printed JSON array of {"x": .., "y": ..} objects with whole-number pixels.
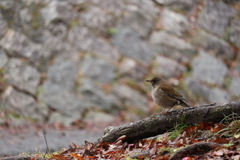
[{"x": 155, "y": 81}]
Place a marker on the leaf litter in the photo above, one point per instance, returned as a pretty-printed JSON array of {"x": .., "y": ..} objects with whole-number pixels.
[{"x": 203, "y": 141}]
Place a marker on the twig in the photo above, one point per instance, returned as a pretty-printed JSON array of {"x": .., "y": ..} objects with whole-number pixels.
[{"x": 47, "y": 149}]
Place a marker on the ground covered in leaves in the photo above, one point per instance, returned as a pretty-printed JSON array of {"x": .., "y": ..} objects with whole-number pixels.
[{"x": 203, "y": 141}]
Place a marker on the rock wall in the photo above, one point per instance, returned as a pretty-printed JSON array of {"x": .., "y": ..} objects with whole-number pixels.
[{"x": 71, "y": 60}]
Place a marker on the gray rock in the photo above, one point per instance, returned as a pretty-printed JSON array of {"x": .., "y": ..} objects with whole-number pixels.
[
  {"x": 186, "y": 5},
  {"x": 168, "y": 68},
  {"x": 213, "y": 95},
  {"x": 234, "y": 33},
  {"x": 209, "y": 42},
  {"x": 139, "y": 16},
  {"x": 81, "y": 38},
  {"x": 3, "y": 26},
  {"x": 215, "y": 17},
  {"x": 66, "y": 51},
  {"x": 131, "y": 69},
  {"x": 22, "y": 76},
  {"x": 127, "y": 65},
  {"x": 139, "y": 21},
  {"x": 146, "y": 6},
  {"x": 104, "y": 50},
  {"x": 19, "y": 103},
  {"x": 172, "y": 46},
  {"x": 130, "y": 98},
  {"x": 174, "y": 23},
  {"x": 57, "y": 10},
  {"x": 32, "y": 2},
  {"x": 98, "y": 69},
  {"x": 63, "y": 73},
  {"x": 77, "y": 2},
  {"x": 217, "y": 95},
  {"x": 30, "y": 21},
  {"x": 10, "y": 12},
  {"x": 6, "y": 4},
  {"x": 26, "y": 18},
  {"x": 16, "y": 120},
  {"x": 165, "y": 2},
  {"x": 39, "y": 112},
  {"x": 209, "y": 69},
  {"x": 19, "y": 45},
  {"x": 130, "y": 44},
  {"x": 58, "y": 30},
  {"x": 196, "y": 88},
  {"x": 61, "y": 99},
  {"x": 235, "y": 86},
  {"x": 238, "y": 67},
  {"x": 97, "y": 19},
  {"x": 64, "y": 119},
  {"x": 3, "y": 58},
  {"x": 98, "y": 117},
  {"x": 114, "y": 7},
  {"x": 2, "y": 121},
  {"x": 94, "y": 96},
  {"x": 54, "y": 45},
  {"x": 231, "y": 1}
]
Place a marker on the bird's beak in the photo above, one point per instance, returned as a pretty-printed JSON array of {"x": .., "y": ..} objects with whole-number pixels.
[{"x": 148, "y": 81}]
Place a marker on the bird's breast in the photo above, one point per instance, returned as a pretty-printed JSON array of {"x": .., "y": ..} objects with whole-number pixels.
[
  {"x": 160, "y": 97},
  {"x": 156, "y": 92}
]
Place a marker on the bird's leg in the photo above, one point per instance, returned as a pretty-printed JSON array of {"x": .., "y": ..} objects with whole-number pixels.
[
  {"x": 169, "y": 109},
  {"x": 162, "y": 111}
]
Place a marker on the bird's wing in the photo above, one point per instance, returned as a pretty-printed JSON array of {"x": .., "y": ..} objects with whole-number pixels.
[{"x": 174, "y": 94}]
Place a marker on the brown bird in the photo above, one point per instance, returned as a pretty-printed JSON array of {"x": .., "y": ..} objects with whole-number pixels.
[{"x": 164, "y": 95}]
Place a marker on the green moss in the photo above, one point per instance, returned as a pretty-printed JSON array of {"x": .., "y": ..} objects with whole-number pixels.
[
  {"x": 177, "y": 130},
  {"x": 13, "y": 115},
  {"x": 35, "y": 24},
  {"x": 235, "y": 98},
  {"x": 39, "y": 91},
  {"x": 128, "y": 158},
  {"x": 112, "y": 31},
  {"x": 40, "y": 154},
  {"x": 2, "y": 79},
  {"x": 227, "y": 82},
  {"x": 226, "y": 33},
  {"x": 163, "y": 149},
  {"x": 36, "y": 18},
  {"x": 73, "y": 24}
]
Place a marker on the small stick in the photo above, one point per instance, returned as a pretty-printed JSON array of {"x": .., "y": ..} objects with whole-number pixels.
[{"x": 47, "y": 149}]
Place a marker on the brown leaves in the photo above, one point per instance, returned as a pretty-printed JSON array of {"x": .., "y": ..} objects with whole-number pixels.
[
  {"x": 58, "y": 157},
  {"x": 198, "y": 139},
  {"x": 92, "y": 151}
]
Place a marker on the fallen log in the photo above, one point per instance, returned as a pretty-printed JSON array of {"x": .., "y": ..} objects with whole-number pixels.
[
  {"x": 194, "y": 149},
  {"x": 159, "y": 124}
]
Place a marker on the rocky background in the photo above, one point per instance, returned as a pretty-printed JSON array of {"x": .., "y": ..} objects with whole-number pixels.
[{"x": 75, "y": 61}]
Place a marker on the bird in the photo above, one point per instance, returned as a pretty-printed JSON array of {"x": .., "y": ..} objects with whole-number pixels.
[{"x": 165, "y": 96}]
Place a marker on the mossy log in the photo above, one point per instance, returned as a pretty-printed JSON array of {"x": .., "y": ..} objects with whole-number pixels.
[{"x": 159, "y": 124}]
